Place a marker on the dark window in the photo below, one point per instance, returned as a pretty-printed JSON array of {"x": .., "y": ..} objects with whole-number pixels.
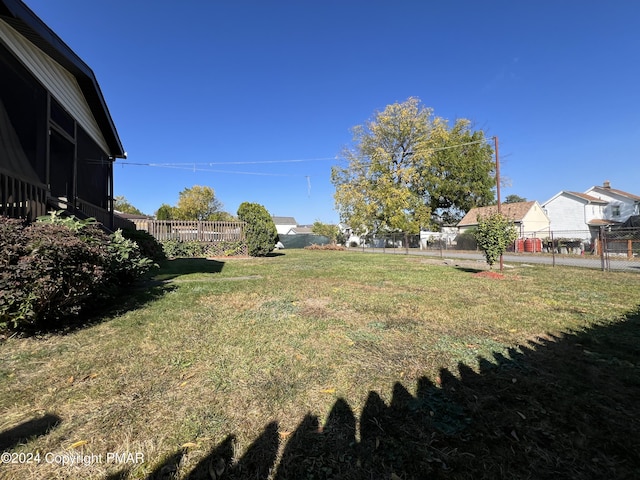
[{"x": 62, "y": 118}]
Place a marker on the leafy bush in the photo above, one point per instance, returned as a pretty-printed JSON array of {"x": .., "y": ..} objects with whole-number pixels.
[
  {"x": 494, "y": 234},
  {"x": 126, "y": 261},
  {"x": 328, "y": 246},
  {"x": 260, "y": 231},
  {"x": 149, "y": 246},
  {"x": 175, "y": 249},
  {"x": 52, "y": 269}
]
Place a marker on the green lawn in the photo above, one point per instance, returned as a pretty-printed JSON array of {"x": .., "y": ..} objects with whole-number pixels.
[{"x": 326, "y": 364}]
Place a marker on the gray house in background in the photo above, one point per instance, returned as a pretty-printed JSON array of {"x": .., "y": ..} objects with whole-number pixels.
[{"x": 58, "y": 141}]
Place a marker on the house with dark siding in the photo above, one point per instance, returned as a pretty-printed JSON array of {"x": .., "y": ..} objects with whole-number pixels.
[{"x": 58, "y": 141}]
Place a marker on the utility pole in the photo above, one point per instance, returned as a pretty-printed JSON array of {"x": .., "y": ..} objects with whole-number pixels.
[{"x": 495, "y": 141}]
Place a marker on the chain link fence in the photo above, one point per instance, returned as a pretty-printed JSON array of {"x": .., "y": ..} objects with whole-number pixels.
[{"x": 606, "y": 248}]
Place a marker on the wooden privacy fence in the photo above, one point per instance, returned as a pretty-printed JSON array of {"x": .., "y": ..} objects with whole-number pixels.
[{"x": 193, "y": 231}]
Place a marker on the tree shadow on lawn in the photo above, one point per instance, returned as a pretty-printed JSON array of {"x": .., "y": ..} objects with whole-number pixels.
[
  {"x": 559, "y": 407},
  {"x": 23, "y": 432}
]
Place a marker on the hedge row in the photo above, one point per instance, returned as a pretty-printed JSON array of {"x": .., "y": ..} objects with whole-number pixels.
[
  {"x": 175, "y": 248},
  {"x": 53, "y": 269}
]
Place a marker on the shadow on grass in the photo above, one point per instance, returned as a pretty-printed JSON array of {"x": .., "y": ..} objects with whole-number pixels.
[
  {"x": 184, "y": 266},
  {"x": 145, "y": 290},
  {"x": 559, "y": 407},
  {"x": 470, "y": 270},
  {"x": 26, "y": 430}
]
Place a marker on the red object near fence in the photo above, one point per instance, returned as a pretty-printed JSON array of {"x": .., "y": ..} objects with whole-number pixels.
[{"x": 533, "y": 245}]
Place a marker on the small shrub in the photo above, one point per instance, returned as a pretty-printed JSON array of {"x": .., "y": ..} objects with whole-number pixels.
[
  {"x": 328, "y": 246},
  {"x": 126, "y": 261},
  {"x": 494, "y": 234},
  {"x": 149, "y": 246},
  {"x": 176, "y": 249},
  {"x": 54, "y": 268},
  {"x": 53, "y": 273},
  {"x": 261, "y": 233}
]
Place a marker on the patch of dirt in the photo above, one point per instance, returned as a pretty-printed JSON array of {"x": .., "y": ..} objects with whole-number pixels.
[{"x": 489, "y": 274}]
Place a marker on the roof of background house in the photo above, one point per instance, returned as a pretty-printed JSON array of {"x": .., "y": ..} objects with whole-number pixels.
[
  {"x": 615, "y": 191},
  {"x": 132, "y": 216},
  {"x": 284, "y": 220},
  {"x": 601, "y": 221},
  {"x": 581, "y": 196},
  {"x": 22, "y": 19},
  {"x": 513, "y": 211},
  {"x": 586, "y": 197}
]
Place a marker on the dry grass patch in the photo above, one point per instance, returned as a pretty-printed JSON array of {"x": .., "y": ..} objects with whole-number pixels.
[{"x": 332, "y": 364}]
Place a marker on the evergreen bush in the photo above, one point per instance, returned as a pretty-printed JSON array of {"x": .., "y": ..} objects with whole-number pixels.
[{"x": 260, "y": 231}]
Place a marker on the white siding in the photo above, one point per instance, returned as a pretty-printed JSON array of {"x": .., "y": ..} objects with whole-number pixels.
[
  {"x": 626, "y": 205},
  {"x": 567, "y": 213},
  {"x": 55, "y": 79}
]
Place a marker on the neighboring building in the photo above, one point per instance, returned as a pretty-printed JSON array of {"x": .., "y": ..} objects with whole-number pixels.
[
  {"x": 300, "y": 230},
  {"x": 284, "y": 224},
  {"x": 577, "y": 214},
  {"x": 620, "y": 205},
  {"x": 586, "y": 212},
  {"x": 57, "y": 139},
  {"x": 528, "y": 217}
]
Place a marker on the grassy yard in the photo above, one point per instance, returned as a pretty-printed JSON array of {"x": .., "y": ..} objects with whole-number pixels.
[{"x": 313, "y": 364}]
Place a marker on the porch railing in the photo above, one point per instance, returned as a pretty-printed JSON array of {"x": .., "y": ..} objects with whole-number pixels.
[{"x": 21, "y": 199}]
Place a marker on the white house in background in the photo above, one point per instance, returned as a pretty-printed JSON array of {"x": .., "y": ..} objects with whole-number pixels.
[
  {"x": 583, "y": 214},
  {"x": 528, "y": 217},
  {"x": 284, "y": 225},
  {"x": 620, "y": 205},
  {"x": 576, "y": 214}
]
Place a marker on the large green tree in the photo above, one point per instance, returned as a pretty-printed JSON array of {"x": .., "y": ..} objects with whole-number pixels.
[
  {"x": 408, "y": 169},
  {"x": 197, "y": 203}
]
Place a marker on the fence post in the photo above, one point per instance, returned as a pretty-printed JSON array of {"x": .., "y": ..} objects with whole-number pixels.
[
  {"x": 553, "y": 250},
  {"x": 602, "y": 248}
]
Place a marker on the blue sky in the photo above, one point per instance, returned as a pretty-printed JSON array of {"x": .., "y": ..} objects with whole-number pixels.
[{"x": 214, "y": 83}]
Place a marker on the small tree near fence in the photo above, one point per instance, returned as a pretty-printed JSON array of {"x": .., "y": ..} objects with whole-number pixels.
[
  {"x": 260, "y": 232},
  {"x": 494, "y": 234}
]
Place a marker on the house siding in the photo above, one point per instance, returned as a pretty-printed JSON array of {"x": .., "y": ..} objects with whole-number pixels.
[
  {"x": 535, "y": 220},
  {"x": 627, "y": 206},
  {"x": 62, "y": 85},
  {"x": 568, "y": 213}
]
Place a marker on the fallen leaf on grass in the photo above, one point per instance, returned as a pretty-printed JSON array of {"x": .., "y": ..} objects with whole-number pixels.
[
  {"x": 188, "y": 445},
  {"x": 328, "y": 390},
  {"x": 70, "y": 379},
  {"x": 79, "y": 443}
]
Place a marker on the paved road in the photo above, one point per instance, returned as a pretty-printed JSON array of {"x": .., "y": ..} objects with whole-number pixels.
[{"x": 587, "y": 261}]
